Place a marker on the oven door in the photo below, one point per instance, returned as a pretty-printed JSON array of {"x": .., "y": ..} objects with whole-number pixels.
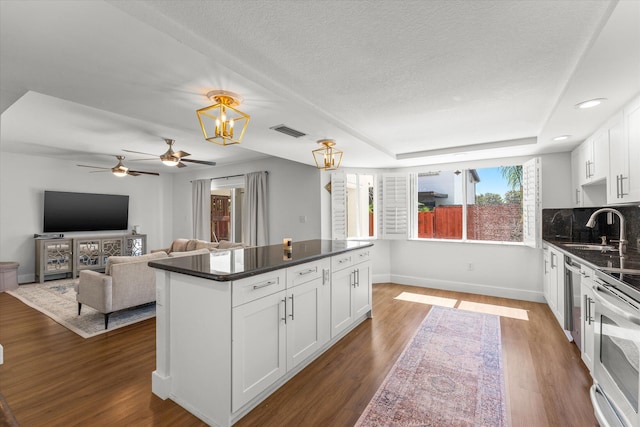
[{"x": 617, "y": 359}]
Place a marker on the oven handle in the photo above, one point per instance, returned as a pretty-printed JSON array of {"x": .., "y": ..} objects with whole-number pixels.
[
  {"x": 602, "y": 294},
  {"x": 598, "y": 412}
]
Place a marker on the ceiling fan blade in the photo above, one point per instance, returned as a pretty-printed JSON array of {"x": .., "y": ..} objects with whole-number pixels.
[
  {"x": 202, "y": 162},
  {"x": 180, "y": 154},
  {"x": 155, "y": 159},
  {"x": 135, "y": 173},
  {"x": 181, "y": 165},
  {"x": 101, "y": 171},
  {"x": 95, "y": 167},
  {"x": 140, "y": 152}
]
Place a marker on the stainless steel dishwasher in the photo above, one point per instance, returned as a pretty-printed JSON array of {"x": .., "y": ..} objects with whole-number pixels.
[{"x": 572, "y": 303}]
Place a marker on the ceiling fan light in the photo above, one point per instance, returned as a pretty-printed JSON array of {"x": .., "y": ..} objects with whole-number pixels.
[
  {"x": 120, "y": 172},
  {"x": 222, "y": 123}
]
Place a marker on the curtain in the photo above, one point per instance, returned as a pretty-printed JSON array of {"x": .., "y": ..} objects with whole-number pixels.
[
  {"x": 201, "y": 202},
  {"x": 254, "y": 221}
]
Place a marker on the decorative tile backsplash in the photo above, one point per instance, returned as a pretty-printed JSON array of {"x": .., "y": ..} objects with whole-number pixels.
[{"x": 569, "y": 225}]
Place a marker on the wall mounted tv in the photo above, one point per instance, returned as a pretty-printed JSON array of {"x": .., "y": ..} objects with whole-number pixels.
[{"x": 64, "y": 211}]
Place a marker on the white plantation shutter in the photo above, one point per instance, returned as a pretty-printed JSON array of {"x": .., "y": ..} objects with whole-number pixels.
[
  {"x": 393, "y": 203},
  {"x": 338, "y": 206},
  {"x": 531, "y": 229}
]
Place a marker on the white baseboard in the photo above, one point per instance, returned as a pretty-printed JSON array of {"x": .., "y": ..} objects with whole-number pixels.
[
  {"x": 381, "y": 278},
  {"x": 472, "y": 288}
]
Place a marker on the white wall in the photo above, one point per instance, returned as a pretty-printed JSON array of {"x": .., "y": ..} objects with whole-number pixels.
[
  {"x": 486, "y": 268},
  {"x": 23, "y": 180},
  {"x": 293, "y": 193}
]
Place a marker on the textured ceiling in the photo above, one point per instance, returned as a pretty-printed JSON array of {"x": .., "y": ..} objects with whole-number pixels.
[{"x": 391, "y": 81}]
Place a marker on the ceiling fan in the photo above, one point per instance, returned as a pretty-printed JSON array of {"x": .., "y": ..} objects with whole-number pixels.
[
  {"x": 171, "y": 158},
  {"x": 119, "y": 169}
]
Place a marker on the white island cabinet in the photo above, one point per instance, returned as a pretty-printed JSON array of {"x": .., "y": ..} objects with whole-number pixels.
[{"x": 224, "y": 346}]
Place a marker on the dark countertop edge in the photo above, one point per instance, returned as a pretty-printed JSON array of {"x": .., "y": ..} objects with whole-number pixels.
[
  {"x": 228, "y": 277},
  {"x": 576, "y": 253},
  {"x": 557, "y": 245}
]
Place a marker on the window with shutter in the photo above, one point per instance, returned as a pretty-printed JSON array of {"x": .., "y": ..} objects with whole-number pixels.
[
  {"x": 531, "y": 203},
  {"x": 394, "y": 205},
  {"x": 338, "y": 206}
]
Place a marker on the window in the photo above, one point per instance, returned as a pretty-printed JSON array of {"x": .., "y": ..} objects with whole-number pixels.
[
  {"x": 490, "y": 204},
  {"x": 353, "y": 206},
  {"x": 499, "y": 204}
]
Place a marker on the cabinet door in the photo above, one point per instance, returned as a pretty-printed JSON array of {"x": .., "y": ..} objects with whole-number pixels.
[
  {"x": 258, "y": 347},
  {"x": 111, "y": 247},
  {"x": 545, "y": 273},
  {"x": 308, "y": 327},
  {"x": 362, "y": 290},
  {"x": 341, "y": 305},
  {"x": 599, "y": 165},
  {"x": 576, "y": 194},
  {"x": 618, "y": 161},
  {"x": 552, "y": 299},
  {"x": 588, "y": 329},
  {"x": 88, "y": 254},
  {"x": 632, "y": 123}
]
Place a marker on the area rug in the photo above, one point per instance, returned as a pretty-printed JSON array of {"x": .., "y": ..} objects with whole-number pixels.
[
  {"x": 57, "y": 299},
  {"x": 450, "y": 374}
]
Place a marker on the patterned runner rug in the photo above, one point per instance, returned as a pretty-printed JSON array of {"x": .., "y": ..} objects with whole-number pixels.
[
  {"x": 57, "y": 299},
  {"x": 450, "y": 374}
]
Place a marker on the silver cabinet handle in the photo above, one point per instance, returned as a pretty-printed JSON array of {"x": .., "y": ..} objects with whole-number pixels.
[
  {"x": 265, "y": 284},
  {"x": 622, "y": 193},
  {"x": 552, "y": 264},
  {"x": 617, "y": 186},
  {"x": 358, "y": 277},
  {"x": 352, "y": 278},
  {"x": 291, "y": 315},
  {"x": 577, "y": 196},
  {"x": 285, "y": 311},
  {"x": 343, "y": 260},
  {"x": 364, "y": 254},
  {"x": 305, "y": 272},
  {"x": 325, "y": 276}
]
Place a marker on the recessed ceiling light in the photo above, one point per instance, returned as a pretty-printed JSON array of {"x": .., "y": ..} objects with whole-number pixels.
[
  {"x": 590, "y": 103},
  {"x": 561, "y": 137}
]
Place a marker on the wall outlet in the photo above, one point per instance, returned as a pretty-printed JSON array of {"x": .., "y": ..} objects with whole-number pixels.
[{"x": 470, "y": 266}]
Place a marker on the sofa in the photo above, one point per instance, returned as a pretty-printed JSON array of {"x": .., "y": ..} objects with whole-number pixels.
[
  {"x": 128, "y": 281},
  {"x": 190, "y": 245}
]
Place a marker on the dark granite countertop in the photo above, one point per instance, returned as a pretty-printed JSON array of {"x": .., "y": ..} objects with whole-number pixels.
[
  {"x": 236, "y": 264},
  {"x": 598, "y": 260}
]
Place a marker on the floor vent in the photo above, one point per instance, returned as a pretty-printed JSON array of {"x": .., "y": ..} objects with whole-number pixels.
[{"x": 288, "y": 131}]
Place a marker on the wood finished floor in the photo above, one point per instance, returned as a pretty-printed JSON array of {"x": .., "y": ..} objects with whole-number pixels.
[{"x": 53, "y": 377}]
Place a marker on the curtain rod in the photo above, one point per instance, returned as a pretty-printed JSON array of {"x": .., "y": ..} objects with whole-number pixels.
[{"x": 233, "y": 176}]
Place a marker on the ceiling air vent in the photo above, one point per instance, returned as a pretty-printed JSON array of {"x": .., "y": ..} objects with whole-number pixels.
[{"x": 288, "y": 131}]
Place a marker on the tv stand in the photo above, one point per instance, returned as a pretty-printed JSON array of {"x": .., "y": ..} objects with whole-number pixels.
[{"x": 66, "y": 257}]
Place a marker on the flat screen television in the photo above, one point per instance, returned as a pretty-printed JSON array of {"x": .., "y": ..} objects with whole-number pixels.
[{"x": 65, "y": 211}]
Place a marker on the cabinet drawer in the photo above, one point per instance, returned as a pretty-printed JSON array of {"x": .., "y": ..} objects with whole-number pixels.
[
  {"x": 252, "y": 288},
  {"x": 306, "y": 272},
  {"x": 361, "y": 256},
  {"x": 340, "y": 262}
]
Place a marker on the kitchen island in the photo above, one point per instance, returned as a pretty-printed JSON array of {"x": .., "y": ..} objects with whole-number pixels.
[{"x": 233, "y": 326}]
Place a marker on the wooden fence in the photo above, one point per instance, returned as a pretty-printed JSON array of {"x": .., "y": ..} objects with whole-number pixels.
[{"x": 484, "y": 222}]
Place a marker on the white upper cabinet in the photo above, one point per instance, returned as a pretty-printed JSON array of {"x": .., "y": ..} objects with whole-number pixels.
[{"x": 623, "y": 183}]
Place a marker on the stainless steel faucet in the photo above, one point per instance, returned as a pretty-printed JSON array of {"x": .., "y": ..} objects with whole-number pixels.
[{"x": 622, "y": 244}]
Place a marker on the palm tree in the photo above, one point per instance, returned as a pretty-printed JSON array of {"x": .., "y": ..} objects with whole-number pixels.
[{"x": 513, "y": 175}]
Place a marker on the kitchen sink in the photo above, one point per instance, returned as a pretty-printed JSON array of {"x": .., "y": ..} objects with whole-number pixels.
[{"x": 590, "y": 247}]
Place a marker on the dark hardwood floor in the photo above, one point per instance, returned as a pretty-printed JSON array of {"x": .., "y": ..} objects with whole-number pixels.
[{"x": 53, "y": 377}]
